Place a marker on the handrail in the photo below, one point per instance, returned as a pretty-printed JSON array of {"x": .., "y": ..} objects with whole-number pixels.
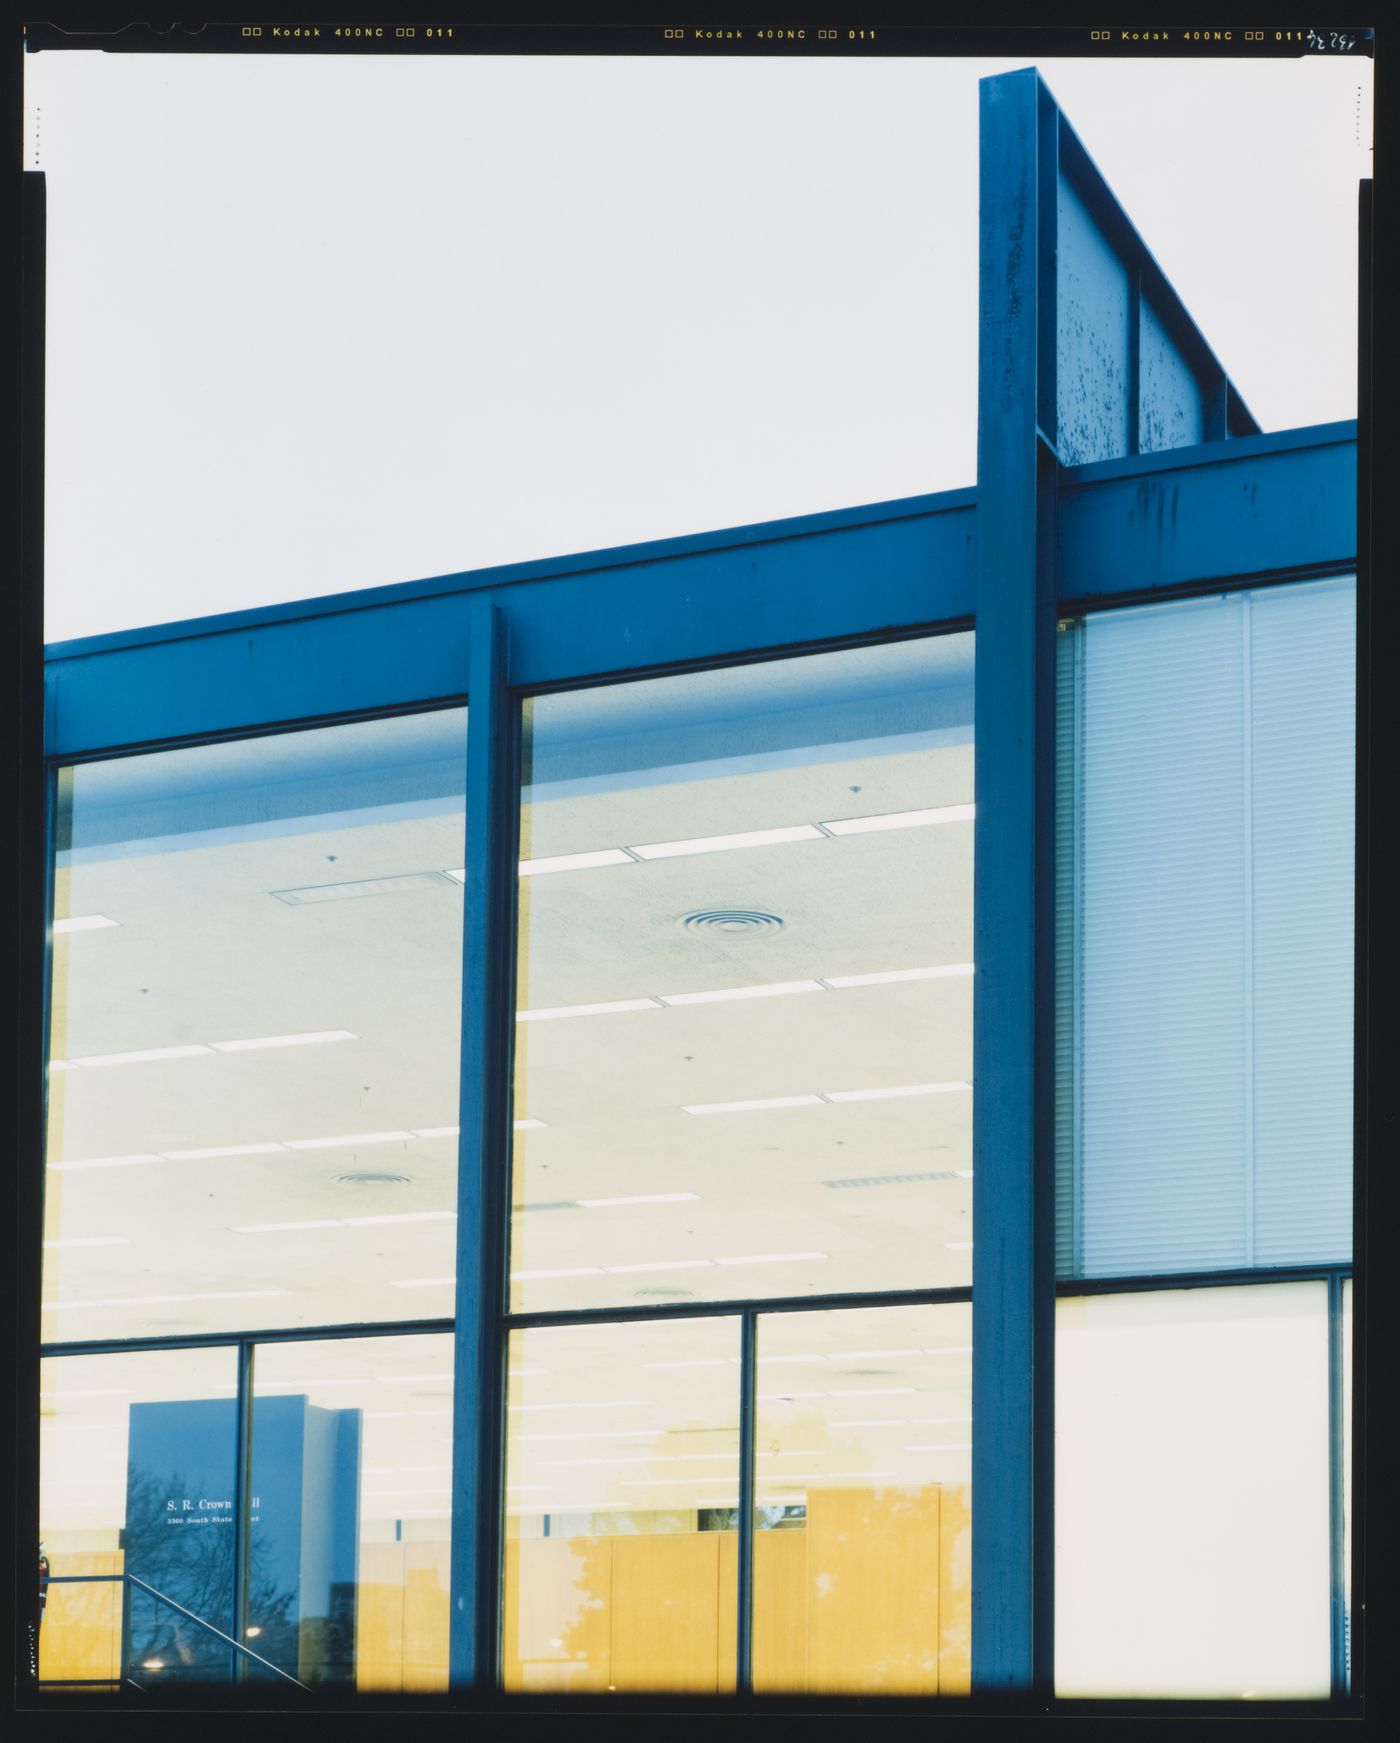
[{"x": 199, "y": 1621}]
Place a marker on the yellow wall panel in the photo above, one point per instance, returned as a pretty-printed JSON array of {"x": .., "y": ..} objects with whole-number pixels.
[
  {"x": 665, "y": 1612},
  {"x": 379, "y": 1617},
  {"x": 425, "y": 1615},
  {"x": 558, "y": 1613},
  {"x": 872, "y": 1590},
  {"x": 80, "y": 1636},
  {"x": 955, "y": 1590}
]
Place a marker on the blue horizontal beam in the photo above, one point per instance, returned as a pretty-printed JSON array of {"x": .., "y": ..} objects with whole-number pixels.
[
  {"x": 1268, "y": 504},
  {"x": 1259, "y": 505},
  {"x": 822, "y": 578}
]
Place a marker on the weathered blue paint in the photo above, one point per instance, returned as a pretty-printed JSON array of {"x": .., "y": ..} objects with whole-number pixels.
[
  {"x": 483, "y": 1159},
  {"x": 1013, "y": 879},
  {"x": 1262, "y": 505}
]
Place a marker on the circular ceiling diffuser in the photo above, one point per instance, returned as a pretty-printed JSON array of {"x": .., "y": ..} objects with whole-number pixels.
[
  {"x": 731, "y": 923},
  {"x": 373, "y": 1180}
]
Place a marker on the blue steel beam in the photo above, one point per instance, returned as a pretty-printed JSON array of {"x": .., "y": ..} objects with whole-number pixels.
[
  {"x": 483, "y": 1158},
  {"x": 1261, "y": 505},
  {"x": 1147, "y": 524},
  {"x": 1013, "y": 1258}
]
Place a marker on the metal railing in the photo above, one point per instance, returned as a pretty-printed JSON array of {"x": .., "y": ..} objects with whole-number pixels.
[{"x": 130, "y": 1582}]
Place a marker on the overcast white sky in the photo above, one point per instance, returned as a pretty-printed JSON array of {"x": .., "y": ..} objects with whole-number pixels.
[{"x": 324, "y": 323}]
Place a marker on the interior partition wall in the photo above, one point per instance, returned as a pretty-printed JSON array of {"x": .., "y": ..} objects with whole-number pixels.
[{"x": 528, "y": 1049}]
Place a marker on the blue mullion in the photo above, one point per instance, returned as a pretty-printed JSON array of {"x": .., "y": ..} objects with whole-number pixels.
[{"x": 483, "y": 1160}]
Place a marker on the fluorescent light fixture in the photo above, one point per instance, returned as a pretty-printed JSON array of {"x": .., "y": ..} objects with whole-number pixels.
[
  {"x": 402, "y": 1216},
  {"x": 106, "y": 1162},
  {"x": 460, "y": 875},
  {"x": 389, "y": 886},
  {"x": 559, "y": 862},
  {"x": 437, "y": 1131},
  {"x": 772, "y": 1360},
  {"x": 606, "y": 1009},
  {"x": 958, "y": 1246},
  {"x": 568, "y": 1271},
  {"x": 638, "y": 1198},
  {"x": 279, "y": 1228},
  {"x": 308, "y": 1040},
  {"x": 902, "y": 820},
  {"x": 412, "y": 1379},
  {"x": 769, "y": 1258},
  {"x": 707, "y": 1362},
  {"x": 349, "y": 1139},
  {"x": 890, "y": 1094},
  {"x": 221, "y": 1150},
  {"x": 785, "y": 1397},
  {"x": 142, "y": 1055},
  {"x": 724, "y": 994},
  {"x": 806, "y": 1452},
  {"x": 612, "y": 1459},
  {"x": 585, "y": 1434},
  {"x": 866, "y": 1422},
  {"x": 531, "y": 1126},
  {"x": 662, "y": 1265},
  {"x": 868, "y": 1355},
  {"x": 261, "y": 1384},
  {"x": 940, "y": 1446},
  {"x": 927, "y": 1421},
  {"x": 874, "y": 1392},
  {"x": 752, "y": 1107},
  {"x": 155, "y": 1300},
  {"x": 590, "y": 1404},
  {"x": 950, "y": 1350},
  {"x": 963, "y": 1173},
  {"x": 423, "y": 1283},
  {"x": 949, "y": 971},
  {"x": 721, "y": 843},
  {"x": 84, "y": 923}
]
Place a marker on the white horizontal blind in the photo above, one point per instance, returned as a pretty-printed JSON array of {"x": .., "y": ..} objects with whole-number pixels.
[{"x": 1213, "y": 790}]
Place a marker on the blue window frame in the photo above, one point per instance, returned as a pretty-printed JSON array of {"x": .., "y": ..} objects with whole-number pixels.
[{"x": 1081, "y": 503}]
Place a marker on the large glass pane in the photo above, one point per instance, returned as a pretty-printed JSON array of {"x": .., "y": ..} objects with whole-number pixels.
[
  {"x": 1205, "y": 924},
  {"x": 621, "y": 1484},
  {"x": 136, "y": 1478},
  {"x": 349, "y": 1528},
  {"x": 862, "y": 1553},
  {"x": 254, "y": 1042},
  {"x": 743, "y": 1058},
  {"x": 1191, "y": 1493}
]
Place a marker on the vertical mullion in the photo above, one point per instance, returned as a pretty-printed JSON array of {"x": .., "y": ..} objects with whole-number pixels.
[
  {"x": 242, "y": 1493},
  {"x": 748, "y": 1352},
  {"x": 1013, "y": 920},
  {"x": 483, "y": 1157},
  {"x": 1335, "y": 1477},
  {"x": 1247, "y": 758}
]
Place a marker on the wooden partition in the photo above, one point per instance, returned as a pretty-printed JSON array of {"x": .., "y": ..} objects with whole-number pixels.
[
  {"x": 873, "y": 1595},
  {"x": 80, "y": 1639}
]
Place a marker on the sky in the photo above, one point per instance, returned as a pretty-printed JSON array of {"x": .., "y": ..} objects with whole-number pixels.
[{"x": 331, "y": 322}]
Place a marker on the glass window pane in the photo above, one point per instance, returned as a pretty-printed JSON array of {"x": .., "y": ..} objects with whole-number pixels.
[
  {"x": 862, "y": 1552},
  {"x": 1191, "y": 1494},
  {"x": 136, "y": 1460},
  {"x": 1205, "y": 925},
  {"x": 622, "y": 1468},
  {"x": 351, "y": 1485},
  {"x": 254, "y": 1046},
  {"x": 745, "y": 982}
]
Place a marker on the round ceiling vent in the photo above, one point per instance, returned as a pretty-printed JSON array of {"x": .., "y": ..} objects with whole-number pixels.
[
  {"x": 731, "y": 923},
  {"x": 373, "y": 1180}
]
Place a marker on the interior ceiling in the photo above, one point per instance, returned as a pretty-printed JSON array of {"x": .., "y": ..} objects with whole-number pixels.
[{"x": 203, "y": 951}]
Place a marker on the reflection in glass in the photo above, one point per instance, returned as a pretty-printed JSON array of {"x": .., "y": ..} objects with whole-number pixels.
[
  {"x": 862, "y": 1551},
  {"x": 254, "y": 1045},
  {"x": 622, "y": 1473},
  {"x": 351, "y": 1511},
  {"x": 745, "y": 982},
  {"x": 136, "y": 1477},
  {"x": 1191, "y": 1493}
]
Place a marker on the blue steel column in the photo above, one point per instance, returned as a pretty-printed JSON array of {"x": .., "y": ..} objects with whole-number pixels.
[
  {"x": 482, "y": 1159},
  {"x": 1013, "y": 1257}
]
